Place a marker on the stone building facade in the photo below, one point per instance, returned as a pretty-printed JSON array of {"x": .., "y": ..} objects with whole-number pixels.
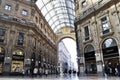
[
  {"x": 64, "y": 59},
  {"x": 26, "y": 39},
  {"x": 97, "y": 26}
]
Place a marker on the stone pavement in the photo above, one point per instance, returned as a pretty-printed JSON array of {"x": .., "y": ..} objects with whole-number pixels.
[{"x": 68, "y": 77}]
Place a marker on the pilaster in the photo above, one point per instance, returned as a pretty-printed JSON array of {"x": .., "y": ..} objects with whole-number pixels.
[{"x": 99, "y": 63}]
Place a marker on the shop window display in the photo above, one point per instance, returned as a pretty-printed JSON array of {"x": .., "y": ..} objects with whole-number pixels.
[
  {"x": 17, "y": 66},
  {"x": 17, "y": 62},
  {"x": 2, "y": 53}
]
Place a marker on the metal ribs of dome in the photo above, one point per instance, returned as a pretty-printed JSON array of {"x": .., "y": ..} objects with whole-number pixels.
[{"x": 58, "y": 13}]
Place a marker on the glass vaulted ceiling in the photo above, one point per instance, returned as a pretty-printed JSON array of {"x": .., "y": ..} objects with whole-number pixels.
[{"x": 58, "y": 13}]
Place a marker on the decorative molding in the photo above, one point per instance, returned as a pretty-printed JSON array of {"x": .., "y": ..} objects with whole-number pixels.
[
  {"x": 114, "y": 12},
  {"x": 107, "y": 34},
  {"x": 86, "y": 23},
  {"x": 94, "y": 22},
  {"x": 88, "y": 41},
  {"x": 103, "y": 13}
]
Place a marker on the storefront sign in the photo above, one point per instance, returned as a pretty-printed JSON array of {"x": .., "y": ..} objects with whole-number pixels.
[{"x": 18, "y": 57}]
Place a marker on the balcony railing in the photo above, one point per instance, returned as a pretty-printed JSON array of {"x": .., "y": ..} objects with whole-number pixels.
[
  {"x": 100, "y": 4},
  {"x": 91, "y": 9},
  {"x": 16, "y": 20}
]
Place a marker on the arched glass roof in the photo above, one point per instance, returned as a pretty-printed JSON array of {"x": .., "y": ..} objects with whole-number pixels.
[{"x": 58, "y": 13}]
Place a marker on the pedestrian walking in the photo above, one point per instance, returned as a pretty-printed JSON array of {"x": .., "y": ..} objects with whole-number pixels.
[
  {"x": 106, "y": 71},
  {"x": 35, "y": 72},
  {"x": 46, "y": 72},
  {"x": 118, "y": 69}
]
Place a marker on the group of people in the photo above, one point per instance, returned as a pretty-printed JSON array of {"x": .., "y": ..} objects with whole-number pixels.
[
  {"x": 34, "y": 72},
  {"x": 112, "y": 70}
]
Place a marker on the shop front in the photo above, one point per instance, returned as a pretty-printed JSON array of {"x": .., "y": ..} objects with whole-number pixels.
[
  {"x": 90, "y": 60},
  {"x": 110, "y": 53},
  {"x": 17, "y": 65},
  {"x": 2, "y": 55}
]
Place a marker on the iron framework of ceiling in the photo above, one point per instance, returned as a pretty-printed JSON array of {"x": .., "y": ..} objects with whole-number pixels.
[{"x": 58, "y": 13}]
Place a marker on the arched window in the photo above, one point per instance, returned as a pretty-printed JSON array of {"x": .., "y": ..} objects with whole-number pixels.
[
  {"x": 89, "y": 53},
  {"x": 89, "y": 48},
  {"x": 110, "y": 49},
  {"x": 109, "y": 43},
  {"x": 18, "y": 52}
]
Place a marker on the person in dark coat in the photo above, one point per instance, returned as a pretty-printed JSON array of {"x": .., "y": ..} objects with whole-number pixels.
[
  {"x": 106, "y": 70},
  {"x": 113, "y": 70},
  {"x": 118, "y": 69}
]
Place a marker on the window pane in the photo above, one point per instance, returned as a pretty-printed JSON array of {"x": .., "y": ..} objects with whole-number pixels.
[
  {"x": 2, "y": 32},
  {"x": 86, "y": 31},
  {"x": 20, "y": 38},
  {"x": 84, "y": 3},
  {"x": 8, "y": 7},
  {"x": 105, "y": 25},
  {"x": 24, "y": 12}
]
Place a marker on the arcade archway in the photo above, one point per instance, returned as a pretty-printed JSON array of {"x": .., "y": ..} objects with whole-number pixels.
[{"x": 68, "y": 55}]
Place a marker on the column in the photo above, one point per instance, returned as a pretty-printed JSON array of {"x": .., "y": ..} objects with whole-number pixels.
[
  {"x": 99, "y": 63},
  {"x": 28, "y": 52},
  {"x": 8, "y": 55},
  {"x": 82, "y": 66}
]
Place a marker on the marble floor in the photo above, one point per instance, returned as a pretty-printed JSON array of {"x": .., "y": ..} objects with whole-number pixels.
[{"x": 68, "y": 77}]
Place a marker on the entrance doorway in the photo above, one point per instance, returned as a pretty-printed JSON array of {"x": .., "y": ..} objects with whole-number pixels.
[
  {"x": 17, "y": 65},
  {"x": 90, "y": 60},
  {"x": 110, "y": 53}
]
